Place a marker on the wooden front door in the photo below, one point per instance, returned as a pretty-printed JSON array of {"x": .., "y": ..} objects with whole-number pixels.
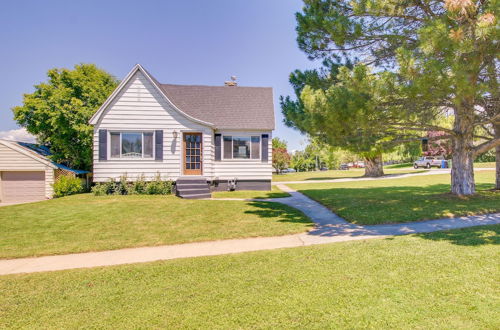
[{"x": 193, "y": 150}]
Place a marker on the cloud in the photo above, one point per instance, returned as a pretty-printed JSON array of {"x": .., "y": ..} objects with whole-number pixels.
[{"x": 19, "y": 134}]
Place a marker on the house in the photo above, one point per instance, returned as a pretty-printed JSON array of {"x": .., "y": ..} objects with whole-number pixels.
[
  {"x": 27, "y": 173},
  {"x": 203, "y": 137}
]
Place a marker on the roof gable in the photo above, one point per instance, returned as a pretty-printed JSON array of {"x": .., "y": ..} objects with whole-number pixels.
[
  {"x": 219, "y": 107},
  {"x": 138, "y": 68},
  {"x": 19, "y": 147}
]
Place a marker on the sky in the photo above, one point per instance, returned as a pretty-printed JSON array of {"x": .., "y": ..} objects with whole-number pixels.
[{"x": 179, "y": 42}]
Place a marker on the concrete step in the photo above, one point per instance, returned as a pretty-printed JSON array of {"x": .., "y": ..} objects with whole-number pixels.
[
  {"x": 185, "y": 192},
  {"x": 183, "y": 186},
  {"x": 197, "y": 196}
]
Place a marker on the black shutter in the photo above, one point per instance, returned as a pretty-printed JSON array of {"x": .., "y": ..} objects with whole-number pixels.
[
  {"x": 265, "y": 147},
  {"x": 218, "y": 148},
  {"x": 159, "y": 145},
  {"x": 103, "y": 144}
]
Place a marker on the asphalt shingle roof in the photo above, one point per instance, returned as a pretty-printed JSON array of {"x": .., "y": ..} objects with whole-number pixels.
[{"x": 227, "y": 107}]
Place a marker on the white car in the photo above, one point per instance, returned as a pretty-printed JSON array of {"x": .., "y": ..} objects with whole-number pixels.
[{"x": 428, "y": 162}]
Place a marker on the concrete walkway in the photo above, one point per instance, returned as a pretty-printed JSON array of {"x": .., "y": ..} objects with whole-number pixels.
[
  {"x": 329, "y": 228},
  {"x": 385, "y": 177}
]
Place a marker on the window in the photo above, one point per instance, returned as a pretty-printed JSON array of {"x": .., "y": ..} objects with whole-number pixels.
[
  {"x": 131, "y": 144},
  {"x": 241, "y": 147}
]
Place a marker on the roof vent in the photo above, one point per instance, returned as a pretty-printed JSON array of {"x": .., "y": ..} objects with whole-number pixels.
[{"x": 232, "y": 82}]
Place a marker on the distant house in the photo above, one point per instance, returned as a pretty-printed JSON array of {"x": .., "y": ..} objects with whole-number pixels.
[
  {"x": 195, "y": 135},
  {"x": 27, "y": 173}
]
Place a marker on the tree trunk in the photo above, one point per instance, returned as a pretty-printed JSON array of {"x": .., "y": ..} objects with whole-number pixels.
[
  {"x": 374, "y": 167},
  {"x": 462, "y": 171},
  {"x": 497, "y": 157}
]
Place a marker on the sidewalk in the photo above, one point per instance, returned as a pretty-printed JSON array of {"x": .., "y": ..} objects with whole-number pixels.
[{"x": 330, "y": 228}]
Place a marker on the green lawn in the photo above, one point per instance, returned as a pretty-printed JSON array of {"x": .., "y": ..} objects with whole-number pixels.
[
  {"x": 402, "y": 200},
  {"x": 483, "y": 165},
  {"x": 335, "y": 174},
  {"x": 251, "y": 194},
  {"x": 410, "y": 165},
  {"x": 432, "y": 281},
  {"x": 84, "y": 222}
]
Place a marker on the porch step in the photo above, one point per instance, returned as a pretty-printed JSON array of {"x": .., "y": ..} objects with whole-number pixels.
[
  {"x": 192, "y": 187},
  {"x": 197, "y": 196}
]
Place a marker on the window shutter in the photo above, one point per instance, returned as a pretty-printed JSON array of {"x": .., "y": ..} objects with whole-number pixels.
[
  {"x": 103, "y": 144},
  {"x": 218, "y": 148},
  {"x": 265, "y": 148},
  {"x": 159, "y": 145}
]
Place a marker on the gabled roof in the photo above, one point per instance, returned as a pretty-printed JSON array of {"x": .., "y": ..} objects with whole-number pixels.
[
  {"x": 220, "y": 107},
  {"x": 38, "y": 152}
]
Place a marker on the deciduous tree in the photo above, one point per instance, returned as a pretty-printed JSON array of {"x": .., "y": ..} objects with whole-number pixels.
[{"x": 57, "y": 113}]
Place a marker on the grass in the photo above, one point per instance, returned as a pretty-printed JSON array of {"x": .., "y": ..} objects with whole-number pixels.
[
  {"x": 334, "y": 174},
  {"x": 485, "y": 165},
  {"x": 410, "y": 165},
  {"x": 432, "y": 281},
  {"x": 82, "y": 223},
  {"x": 403, "y": 200},
  {"x": 251, "y": 194}
]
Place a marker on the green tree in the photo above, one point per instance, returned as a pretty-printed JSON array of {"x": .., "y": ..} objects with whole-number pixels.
[
  {"x": 442, "y": 56},
  {"x": 336, "y": 106},
  {"x": 278, "y": 143},
  {"x": 281, "y": 158},
  {"x": 57, "y": 113}
]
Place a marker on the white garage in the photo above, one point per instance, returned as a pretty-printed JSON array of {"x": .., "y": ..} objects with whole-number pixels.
[{"x": 25, "y": 175}]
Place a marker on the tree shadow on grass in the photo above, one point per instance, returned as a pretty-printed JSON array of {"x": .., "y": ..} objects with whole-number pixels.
[
  {"x": 276, "y": 210},
  {"x": 398, "y": 204},
  {"x": 473, "y": 236},
  {"x": 362, "y": 176}
]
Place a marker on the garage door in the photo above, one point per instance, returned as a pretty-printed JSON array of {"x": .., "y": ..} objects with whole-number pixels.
[{"x": 23, "y": 186}]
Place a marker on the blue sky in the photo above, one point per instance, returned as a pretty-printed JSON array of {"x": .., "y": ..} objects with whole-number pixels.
[{"x": 180, "y": 42}]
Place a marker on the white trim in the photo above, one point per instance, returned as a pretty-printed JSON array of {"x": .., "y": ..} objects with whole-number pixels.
[
  {"x": 95, "y": 118},
  {"x": 30, "y": 154},
  {"x": 250, "y": 135}
]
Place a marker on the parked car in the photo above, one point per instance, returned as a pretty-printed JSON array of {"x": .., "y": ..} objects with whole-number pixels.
[
  {"x": 324, "y": 169},
  {"x": 344, "y": 167},
  {"x": 288, "y": 170},
  {"x": 429, "y": 162},
  {"x": 360, "y": 165}
]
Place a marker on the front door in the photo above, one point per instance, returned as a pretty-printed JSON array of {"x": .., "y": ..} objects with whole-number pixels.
[{"x": 193, "y": 151}]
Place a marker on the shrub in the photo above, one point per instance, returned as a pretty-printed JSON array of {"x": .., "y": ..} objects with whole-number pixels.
[
  {"x": 159, "y": 187},
  {"x": 67, "y": 185},
  {"x": 100, "y": 189},
  {"x": 138, "y": 187}
]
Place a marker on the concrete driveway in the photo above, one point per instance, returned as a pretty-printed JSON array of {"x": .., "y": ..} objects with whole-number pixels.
[{"x": 17, "y": 202}]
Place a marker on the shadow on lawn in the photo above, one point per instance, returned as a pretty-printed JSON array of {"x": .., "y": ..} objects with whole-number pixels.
[
  {"x": 275, "y": 210},
  {"x": 362, "y": 176},
  {"x": 403, "y": 203},
  {"x": 468, "y": 236}
]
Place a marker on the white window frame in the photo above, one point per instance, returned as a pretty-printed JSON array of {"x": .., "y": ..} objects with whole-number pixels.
[
  {"x": 232, "y": 147},
  {"x": 142, "y": 144}
]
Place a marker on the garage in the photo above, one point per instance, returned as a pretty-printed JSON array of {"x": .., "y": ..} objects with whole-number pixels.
[
  {"x": 22, "y": 186},
  {"x": 26, "y": 174}
]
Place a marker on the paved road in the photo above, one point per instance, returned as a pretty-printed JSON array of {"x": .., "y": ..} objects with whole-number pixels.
[{"x": 329, "y": 228}]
